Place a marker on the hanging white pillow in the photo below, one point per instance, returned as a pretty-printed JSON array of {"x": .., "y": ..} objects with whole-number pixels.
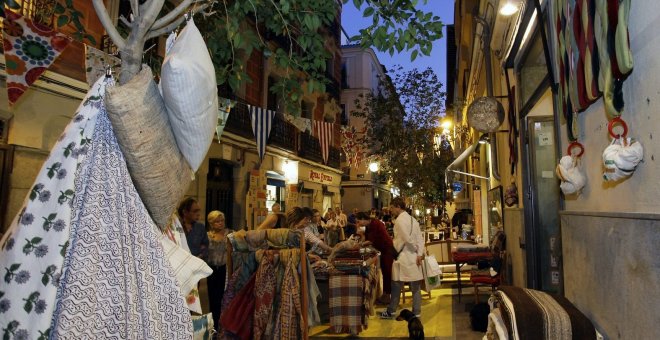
[{"x": 190, "y": 93}]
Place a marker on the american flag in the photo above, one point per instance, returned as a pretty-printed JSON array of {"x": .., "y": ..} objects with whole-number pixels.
[
  {"x": 262, "y": 122},
  {"x": 323, "y": 131}
]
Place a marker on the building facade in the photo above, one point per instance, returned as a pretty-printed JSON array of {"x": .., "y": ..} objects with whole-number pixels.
[
  {"x": 362, "y": 74},
  {"x": 598, "y": 247},
  {"x": 232, "y": 178}
]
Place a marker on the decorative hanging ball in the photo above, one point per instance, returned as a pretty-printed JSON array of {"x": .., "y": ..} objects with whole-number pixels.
[{"x": 485, "y": 114}]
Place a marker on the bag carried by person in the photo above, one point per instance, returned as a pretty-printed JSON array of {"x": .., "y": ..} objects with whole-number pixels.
[{"x": 432, "y": 273}]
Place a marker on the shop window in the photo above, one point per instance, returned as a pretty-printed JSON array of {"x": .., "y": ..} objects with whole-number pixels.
[{"x": 275, "y": 193}]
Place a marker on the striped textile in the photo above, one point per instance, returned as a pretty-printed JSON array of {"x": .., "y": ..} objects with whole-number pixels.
[
  {"x": 532, "y": 314},
  {"x": 323, "y": 131},
  {"x": 346, "y": 303},
  {"x": 262, "y": 122}
]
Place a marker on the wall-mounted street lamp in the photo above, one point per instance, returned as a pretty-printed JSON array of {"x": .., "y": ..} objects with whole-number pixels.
[{"x": 509, "y": 8}]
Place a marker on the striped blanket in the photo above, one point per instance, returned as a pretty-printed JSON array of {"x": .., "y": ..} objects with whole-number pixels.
[{"x": 532, "y": 314}]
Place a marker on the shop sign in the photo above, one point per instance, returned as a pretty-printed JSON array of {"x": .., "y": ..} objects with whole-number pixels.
[{"x": 319, "y": 177}]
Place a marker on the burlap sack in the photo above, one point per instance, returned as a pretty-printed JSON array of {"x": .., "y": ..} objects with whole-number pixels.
[{"x": 160, "y": 173}]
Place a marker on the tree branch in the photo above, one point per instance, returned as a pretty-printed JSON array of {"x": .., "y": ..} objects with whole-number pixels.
[
  {"x": 148, "y": 17},
  {"x": 102, "y": 13},
  {"x": 171, "y": 16},
  {"x": 174, "y": 24},
  {"x": 125, "y": 21},
  {"x": 135, "y": 8}
]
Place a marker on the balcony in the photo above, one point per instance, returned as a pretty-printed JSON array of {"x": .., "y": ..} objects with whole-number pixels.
[
  {"x": 239, "y": 121},
  {"x": 283, "y": 134},
  {"x": 310, "y": 148},
  {"x": 333, "y": 157}
]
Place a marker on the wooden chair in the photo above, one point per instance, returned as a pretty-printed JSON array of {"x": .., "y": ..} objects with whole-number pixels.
[{"x": 482, "y": 277}]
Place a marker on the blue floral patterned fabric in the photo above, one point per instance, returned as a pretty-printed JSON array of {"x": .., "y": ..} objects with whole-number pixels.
[
  {"x": 36, "y": 242},
  {"x": 116, "y": 282},
  {"x": 82, "y": 259}
]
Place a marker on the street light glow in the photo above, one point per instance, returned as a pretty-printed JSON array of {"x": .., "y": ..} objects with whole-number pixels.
[
  {"x": 373, "y": 167},
  {"x": 508, "y": 9}
]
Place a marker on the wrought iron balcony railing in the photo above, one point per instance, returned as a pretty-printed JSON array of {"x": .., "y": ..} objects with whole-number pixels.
[{"x": 284, "y": 134}]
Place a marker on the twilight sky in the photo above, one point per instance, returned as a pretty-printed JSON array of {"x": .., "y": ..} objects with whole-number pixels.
[{"x": 352, "y": 21}]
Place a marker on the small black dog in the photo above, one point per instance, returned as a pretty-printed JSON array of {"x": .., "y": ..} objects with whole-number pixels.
[{"x": 415, "y": 327}]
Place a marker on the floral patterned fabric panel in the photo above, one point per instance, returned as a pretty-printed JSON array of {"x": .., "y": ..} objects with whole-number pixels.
[
  {"x": 96, "y": 62},
  {"x": 30, "y": 48},
  {"x": 116, "y": 282},
  {"x": 34, "y": 247}
]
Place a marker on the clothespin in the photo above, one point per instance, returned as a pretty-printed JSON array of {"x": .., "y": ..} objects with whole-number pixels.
[{"x": 108, "y": 71}]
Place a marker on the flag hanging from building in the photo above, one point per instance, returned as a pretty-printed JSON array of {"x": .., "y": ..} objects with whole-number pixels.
[
  {"x": 223, "y": 114},
  {"x": 262, "y": 121},
  {"x": 323, "y": 132},
  {"x": 97, "y": 62},
  {"x": 30, "y": 48}
]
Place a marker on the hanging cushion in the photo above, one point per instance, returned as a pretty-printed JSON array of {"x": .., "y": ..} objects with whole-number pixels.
[
  {"x": 190, "y": 93},
  {"x": 160, "y": 173}
]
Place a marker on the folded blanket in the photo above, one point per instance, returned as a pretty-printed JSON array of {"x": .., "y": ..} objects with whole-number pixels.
[{"x": 532, "y": 314}]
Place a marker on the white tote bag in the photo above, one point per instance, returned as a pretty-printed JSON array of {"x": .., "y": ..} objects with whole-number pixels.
[{"x": 432, "y": 273}]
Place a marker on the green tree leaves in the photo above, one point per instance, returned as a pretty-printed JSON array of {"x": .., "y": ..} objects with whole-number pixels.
[
  {"x": 401, "y": 121},
  {"x": 398, "y": 25}
]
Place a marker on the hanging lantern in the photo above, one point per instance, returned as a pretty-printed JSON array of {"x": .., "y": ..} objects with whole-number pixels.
[{"x": 485, "y": 114}]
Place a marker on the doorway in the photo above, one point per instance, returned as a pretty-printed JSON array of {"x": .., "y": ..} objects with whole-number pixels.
[
  {"x": 541, "y": 207},
  {"x": 220, "y": 190}
]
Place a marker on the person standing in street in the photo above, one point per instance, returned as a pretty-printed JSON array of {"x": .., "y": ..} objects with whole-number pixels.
[
  {"x": 217, "y": 261},
  {"x": 374, "y": 230},
  {"x": 198, "y": 240},
  {"x": 409, "y": 242}
]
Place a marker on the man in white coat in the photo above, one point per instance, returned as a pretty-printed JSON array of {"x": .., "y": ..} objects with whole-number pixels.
[{"x": 409, "y": 241}]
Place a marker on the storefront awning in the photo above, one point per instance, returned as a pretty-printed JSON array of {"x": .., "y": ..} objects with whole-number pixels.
[{"x": 460, "y": 160}]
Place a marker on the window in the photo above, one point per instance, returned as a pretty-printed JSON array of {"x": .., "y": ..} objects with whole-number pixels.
[
  {"x": 533, "y": 69},
  {"x": 344, "y": 115},
  {"x": 307, "y": 110}
]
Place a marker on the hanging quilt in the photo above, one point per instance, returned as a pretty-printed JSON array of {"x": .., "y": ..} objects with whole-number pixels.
[
  {"x": 262, "y": 122},
  {"x": 323, "y": 132},
  {"x": 30, "y": 48},
  {"x": 225, "y": 106},
  {"x": 36, "y": 242},
  {"x": 96, "y": 62}
]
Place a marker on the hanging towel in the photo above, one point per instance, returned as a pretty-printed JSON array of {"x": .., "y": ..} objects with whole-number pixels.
[
  {"x": 621, "y": 158},
  {"x": 571, "y": 176}
]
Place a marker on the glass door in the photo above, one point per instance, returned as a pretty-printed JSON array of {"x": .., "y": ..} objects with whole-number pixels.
[{"x": 542, "y": 200}]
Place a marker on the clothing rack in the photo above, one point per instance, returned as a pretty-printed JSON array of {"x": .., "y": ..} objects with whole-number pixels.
[{"x": 303, "y": 280}]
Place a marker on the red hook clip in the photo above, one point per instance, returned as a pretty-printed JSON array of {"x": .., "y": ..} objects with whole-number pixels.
[
  {"x": 612, "y": 123},
  {"x": 574, "y": 145}
]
